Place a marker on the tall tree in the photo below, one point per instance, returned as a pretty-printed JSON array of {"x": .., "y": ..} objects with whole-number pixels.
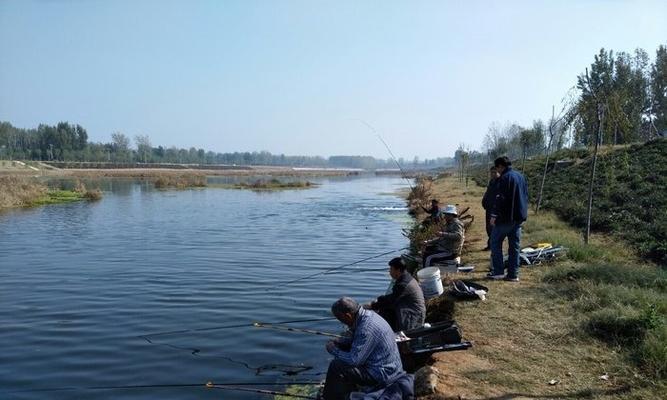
[
  {"x": 658, "y": 97},
  {"x": 144, "y": 147}
]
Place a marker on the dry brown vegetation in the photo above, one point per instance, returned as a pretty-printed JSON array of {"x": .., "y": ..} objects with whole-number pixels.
[
  {"x": 19, "y": 191},
  {"x": 16, "y": 191},
  {"x": 180, "y": 181},
  {"x": 527, "y": 334}
]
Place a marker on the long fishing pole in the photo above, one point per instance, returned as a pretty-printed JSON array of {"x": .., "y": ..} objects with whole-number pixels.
[
  {"x": 298, "y": 330},
  {"x": 161, "y": 386},
  {"x": 327, "y": 271}
]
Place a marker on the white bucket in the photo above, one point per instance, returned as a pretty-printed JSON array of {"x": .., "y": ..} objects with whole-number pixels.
[{"x": 429, "y": 280}]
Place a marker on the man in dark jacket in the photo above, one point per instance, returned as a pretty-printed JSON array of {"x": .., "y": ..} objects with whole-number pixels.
[
  {"x": 487, "y": 203},
  {"x": 403, "y": 307},
  {"x": 509, "y": 211}
]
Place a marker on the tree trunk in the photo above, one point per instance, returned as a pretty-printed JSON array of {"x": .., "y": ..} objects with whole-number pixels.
[
  {"x": 592, "y": 180},
  {"x": 546, "y": 163}
]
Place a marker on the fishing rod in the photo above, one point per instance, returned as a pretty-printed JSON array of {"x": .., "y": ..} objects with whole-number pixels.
[
  {"x": 163, "y": 386},
  {"x": 298, "y": 330},
  {"x": 403, "y": 174},
  {"x": 222, "y": 327},
  {"x": 328, "y": 271}
]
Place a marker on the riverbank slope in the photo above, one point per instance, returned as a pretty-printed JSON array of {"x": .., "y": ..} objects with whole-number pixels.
[{"x": 534, "y": 339}]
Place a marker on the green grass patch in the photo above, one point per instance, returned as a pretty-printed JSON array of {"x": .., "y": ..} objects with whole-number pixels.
[
  {"x": 299, "y": 390},
  {"x": 58, "y": 197},
  {"x": 623, "y": 305}
]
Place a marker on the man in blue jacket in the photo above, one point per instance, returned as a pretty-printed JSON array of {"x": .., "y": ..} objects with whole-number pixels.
[{"x": 508, "y": 212}]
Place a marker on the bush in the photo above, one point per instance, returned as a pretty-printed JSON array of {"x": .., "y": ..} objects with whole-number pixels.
[{"x": 652, "y": 353}]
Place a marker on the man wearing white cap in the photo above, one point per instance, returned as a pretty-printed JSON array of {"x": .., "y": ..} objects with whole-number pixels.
[{"x": 449, "y": 243}]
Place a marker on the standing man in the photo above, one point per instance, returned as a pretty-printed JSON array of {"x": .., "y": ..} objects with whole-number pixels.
[
  {"x": 487, "y": 203},
  {"x": 449, "y": 243},
  {"x": 403, "y": 308},
  {"x": 509, "y": 211},
  {"x": 369, "y": 357}
]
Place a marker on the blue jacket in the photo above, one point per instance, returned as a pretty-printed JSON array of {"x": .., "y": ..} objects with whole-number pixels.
[
  {"x": 372, "y": 347},
  {"x": 511, "y": 201}
]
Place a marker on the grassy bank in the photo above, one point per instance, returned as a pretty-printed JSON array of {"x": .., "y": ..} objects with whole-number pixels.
[
  {"x": 629, "y": 193},
  {"x": 593, "y": 322},
  {"x": 29, "y": 192}
]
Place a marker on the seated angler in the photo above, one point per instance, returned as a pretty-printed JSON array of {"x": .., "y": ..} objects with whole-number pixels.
[
  {"x": 449, "y": 243},
  {"x": 403, "y": 307},
  {"x": 369, "y": 357}
]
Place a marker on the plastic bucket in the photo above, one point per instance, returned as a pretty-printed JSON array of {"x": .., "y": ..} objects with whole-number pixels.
[{"x": 429, "y": 280}]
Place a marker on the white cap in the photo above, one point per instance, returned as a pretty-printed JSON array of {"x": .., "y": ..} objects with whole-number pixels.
[{"x": 450, "y": 209}]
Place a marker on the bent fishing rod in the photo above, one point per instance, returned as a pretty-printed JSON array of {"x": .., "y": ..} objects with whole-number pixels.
[{"x": 403, "y": 174}]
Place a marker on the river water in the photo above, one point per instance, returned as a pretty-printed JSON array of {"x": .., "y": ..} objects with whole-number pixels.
[{"x": 81, "y": 283}]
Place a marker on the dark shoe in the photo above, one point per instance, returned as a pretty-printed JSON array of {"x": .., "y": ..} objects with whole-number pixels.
[
  {"x": 494, "y": 277},
  {"x": 487, "y": 248},
  {"x": 509, "y": 279}
]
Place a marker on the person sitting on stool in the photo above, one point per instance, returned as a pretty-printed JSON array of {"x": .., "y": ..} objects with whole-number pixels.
[
  {"x": 403, "y": 307},
  {"x": 368, "y": 357},
  {"x": 449, "y": 243}
]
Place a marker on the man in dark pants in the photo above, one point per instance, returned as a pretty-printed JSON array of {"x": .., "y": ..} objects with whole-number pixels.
[
  {"x": 487, "y": 203},
  {"x": 509, "y": 211},
  {"x": 403, "y": 308},
  {"x": 368, "y": 357}
]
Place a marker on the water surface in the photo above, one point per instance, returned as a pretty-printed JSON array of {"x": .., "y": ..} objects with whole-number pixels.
[{"x": 81, "y": 283}]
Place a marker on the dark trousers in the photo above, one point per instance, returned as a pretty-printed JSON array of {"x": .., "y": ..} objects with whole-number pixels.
[
  {"x": 489, "y": 228},
  {"x": 342, "y": 379},
  {"x": 389, "y": 315},
  {"x": 431, "y": 255}
]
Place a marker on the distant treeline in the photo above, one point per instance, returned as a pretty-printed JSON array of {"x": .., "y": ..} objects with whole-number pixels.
[
  {"x": 69, "y": 142},
  {"x": 621, "y": 97}
]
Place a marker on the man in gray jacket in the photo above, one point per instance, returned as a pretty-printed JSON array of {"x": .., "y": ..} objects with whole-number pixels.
[{"x": 403, "y": 307}]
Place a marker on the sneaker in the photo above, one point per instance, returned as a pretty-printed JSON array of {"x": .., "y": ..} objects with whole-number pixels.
[
  {"x": 508, "y": 279},
  {"x": 494, "y": 277}
]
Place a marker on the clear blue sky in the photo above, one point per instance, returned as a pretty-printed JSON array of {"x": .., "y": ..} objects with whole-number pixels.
[{"x": 291, "y": 76}]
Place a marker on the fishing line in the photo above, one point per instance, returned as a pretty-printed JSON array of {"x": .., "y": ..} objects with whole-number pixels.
[
  {"x": 328, "y": 271},
  {"x": 159, "y": 386},
  {"x": 285, "y": 369}
]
